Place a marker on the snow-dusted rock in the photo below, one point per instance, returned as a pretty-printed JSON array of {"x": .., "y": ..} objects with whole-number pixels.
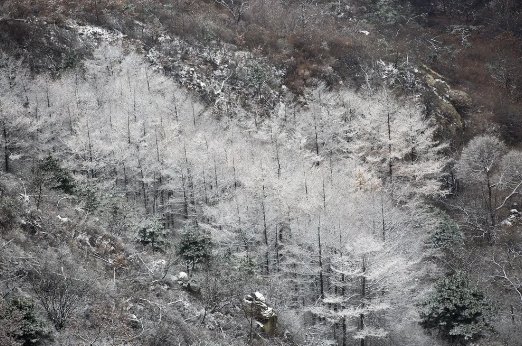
[
  {"x": 265, "y": 316},
  {"x": 259, "y": 297},
  {"x": 63, "y": 219},
  {"x": 182, "y": 276}
]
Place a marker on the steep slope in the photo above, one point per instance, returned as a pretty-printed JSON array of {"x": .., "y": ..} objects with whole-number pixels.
[{"x": 154, "y": 184}]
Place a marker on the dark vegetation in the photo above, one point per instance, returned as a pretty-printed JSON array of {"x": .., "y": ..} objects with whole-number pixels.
[{"x": 475, "y": 45}]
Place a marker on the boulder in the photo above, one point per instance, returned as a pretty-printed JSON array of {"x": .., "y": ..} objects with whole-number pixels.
[
  {"x": 133, "y": 321},
  {"x": 182, "y": 276},
  {"x": 255, "y": 306},
  {"x": 188, "y": 284}
]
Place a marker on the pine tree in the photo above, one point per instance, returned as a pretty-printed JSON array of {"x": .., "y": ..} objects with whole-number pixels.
[{"x": 456, "y": 309}]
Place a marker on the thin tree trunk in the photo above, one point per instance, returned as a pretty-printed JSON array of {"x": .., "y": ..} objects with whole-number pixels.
[
  {"x": 185, "y": 197},
  {"x": 306, "y": 185},
  {"x": 265, "y": 232},
  {"x": 70, "y": 120},
  {"x": 215, "y": 174},
  {"x": 382, "y": 217},
  {"x": 205, "y": 185},
  {"x": 128, "y": 129},
  {"x": 90, "y": 149},
  {"x": 490, "y": 201},
  {"x": 125, "y": 182},
  {"x": 321, "y": 281},
  {"x": 143, "y": 189},
  {"x": 390, "y": 165},
  {"x": 344, "y": 331},
  {"x": 316, "y": 137},
  {"x": 6, "y": 148},
  {"x": 234, "y": 169},
  {"x": 278, "y": 159},
  {"x": 324, "y": 196},
  {"x": 193, "y": 113},
  {"x": 277, "y": 248},
  {"x": 363, "y": 296},
  {"x": 192, "y": 195}
]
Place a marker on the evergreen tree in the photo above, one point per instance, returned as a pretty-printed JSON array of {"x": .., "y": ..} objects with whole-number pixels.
[
  {"x": 456, "y": 309},
  {"x": 195, "y": 245},
  {"x": 152, "y": 233}
]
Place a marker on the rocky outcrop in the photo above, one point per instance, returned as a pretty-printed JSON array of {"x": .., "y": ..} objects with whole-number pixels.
[
  {"x": 446, "y": 104},
  {"x": 514, "y": 219},
  {"x": 188, "y": 284},
  {"x": 255, "y": 307}
]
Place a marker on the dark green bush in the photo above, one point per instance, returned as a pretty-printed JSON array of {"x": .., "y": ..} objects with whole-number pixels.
[
  {"x": 457, "y": 310},
  {"x": 153, "y": 233},
  {"x": 195, "y": 245},
  {"x": 32, "y": 331},
  {"x": 51, "y": 173}
]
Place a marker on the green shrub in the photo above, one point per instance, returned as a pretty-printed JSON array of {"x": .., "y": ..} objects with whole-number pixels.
[
  {"x": 89, "y": 197},
  {"x": 447, "y": 234},
  {"x": 153, "y": 233},
  {"x": 456, "y": 309},
  {"x": 195, "y": 245},
  {"x": 32, "y": 330},
  {"x": 50, "y": 172}
]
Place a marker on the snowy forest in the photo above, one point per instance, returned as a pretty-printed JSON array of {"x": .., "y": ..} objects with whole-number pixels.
[{"x": 257, "y": 172}]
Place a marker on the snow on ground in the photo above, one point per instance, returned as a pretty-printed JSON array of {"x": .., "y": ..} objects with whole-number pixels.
[{"x": 95, "y": 33}]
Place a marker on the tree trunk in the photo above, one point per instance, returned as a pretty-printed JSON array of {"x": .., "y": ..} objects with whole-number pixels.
[
  {"x": 490, "y": 201},
  {"x": 193, "y": 113},
  {"x": 324, "y": 196},
  {"x": 143, "y": 189},
  {"x": 316, "y": 137},
  {"x": 321, "y": 282},
  {"x": 89, "y": 143},
  {"x": 305, "y": 185},
  {"x": 215, "y": 174},
  {"x": 125, "y": 182},
  {"x": 185, "y": 197},
  {"x": 265, "y": 232},
  {"x": 234, "y": 171},
  {"x": 128, "y": 129},
  {"x": 205, "y": 185},
  {"x": 6, "y": 148},
  {"x": 383, "y": 221},
  {"x": 363, "y": 295},
  {"x": 278, "y": 159},
  {"x": 390, "y": 165},
  {"x": 344, "y": 331},
  {"x": 277, "y": 249}
]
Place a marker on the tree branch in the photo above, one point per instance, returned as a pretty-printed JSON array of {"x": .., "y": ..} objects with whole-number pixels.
[{"x": 513, "y": 192}]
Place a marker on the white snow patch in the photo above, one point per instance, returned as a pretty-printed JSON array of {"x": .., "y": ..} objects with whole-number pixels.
[
  {"x": 91, "y": 32},
  {"x": 260, "y": 297},
  {"x": 182, "y": 276},
  {"x": 14, "y": 157},
  {"x": 63, "y": 219}
]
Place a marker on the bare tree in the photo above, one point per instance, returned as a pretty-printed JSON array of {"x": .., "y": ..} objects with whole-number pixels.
[{"x": 59, "y": 295}]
